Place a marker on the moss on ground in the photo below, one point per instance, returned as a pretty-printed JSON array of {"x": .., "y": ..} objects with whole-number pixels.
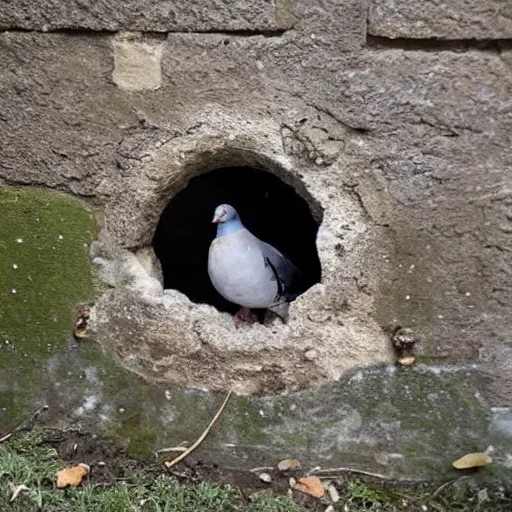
[{"x": 31, "y": 459}]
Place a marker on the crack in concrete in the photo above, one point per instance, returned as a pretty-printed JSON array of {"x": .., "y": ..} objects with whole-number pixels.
[
  {"x": 160, "y": 34},
  {"x": 437, "y": 45}
]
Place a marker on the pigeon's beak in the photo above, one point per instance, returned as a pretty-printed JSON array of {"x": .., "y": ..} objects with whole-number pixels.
[{"x": 216, "y": 219}]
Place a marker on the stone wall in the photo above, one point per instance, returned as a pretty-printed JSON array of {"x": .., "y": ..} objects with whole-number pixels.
[{"x": 401, "y": 111}]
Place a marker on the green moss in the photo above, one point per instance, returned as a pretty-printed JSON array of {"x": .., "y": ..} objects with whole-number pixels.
[
  {"x": 247, "y": 421},
  {"x": 44, "y": 273}
]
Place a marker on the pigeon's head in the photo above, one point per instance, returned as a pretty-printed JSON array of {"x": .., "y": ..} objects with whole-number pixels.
[{"x": 224, "y": 213}]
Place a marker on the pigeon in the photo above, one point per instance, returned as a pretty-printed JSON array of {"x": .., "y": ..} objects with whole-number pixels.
[{"x": 245, "y": 270}]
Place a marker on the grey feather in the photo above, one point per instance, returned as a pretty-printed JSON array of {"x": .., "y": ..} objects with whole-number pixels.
[
  {"x": 283, "y": 268},
  {"x": 249, "y": 272}
]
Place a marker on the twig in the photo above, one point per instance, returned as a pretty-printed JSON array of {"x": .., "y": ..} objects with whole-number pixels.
[
  {"x": 447, "y": 484},
  {"x": 184, "y": 476},
  {"x": 260, "y": 469},
  {"x": 172, "y": 449},
  {"x": 327, "y": 472},
  {"x": 200, "y": 439},
  {"x": 26, "y": 425},
  {"x": 31, "y": 422}
]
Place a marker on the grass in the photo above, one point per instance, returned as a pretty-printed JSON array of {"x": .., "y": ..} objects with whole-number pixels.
[{"x": 26, "y": 458}]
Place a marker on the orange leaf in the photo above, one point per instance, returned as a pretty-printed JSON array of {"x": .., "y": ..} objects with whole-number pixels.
[
  {"x": 472, "y": 460},
  {"x": 71, "y": 476},
  {"x": 310, "y": 485}
]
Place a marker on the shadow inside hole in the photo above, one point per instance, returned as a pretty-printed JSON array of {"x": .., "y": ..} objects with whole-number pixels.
[{"x": 268, "y": 207}]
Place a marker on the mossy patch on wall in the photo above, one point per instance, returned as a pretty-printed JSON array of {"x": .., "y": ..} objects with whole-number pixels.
[{"x": 44, "y": 272}]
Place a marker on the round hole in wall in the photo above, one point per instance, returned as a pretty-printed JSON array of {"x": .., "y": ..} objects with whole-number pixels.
[{"x": 268, "y": 207}]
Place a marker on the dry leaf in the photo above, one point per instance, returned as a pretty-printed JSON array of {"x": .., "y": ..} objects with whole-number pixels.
[
  {"x": 72, "y": 476},
  {"x": 18, "y": 490},
  {"x": 310, "y": 485},
  {"x": 472, "y": 460},
  {"x": 265, "y": 477},
  {"x": 406, "y": 361},
  {"x": 80, "y": 332},
  {"x": 287, "y": 464},
  {"x": 82, "y": 319}
]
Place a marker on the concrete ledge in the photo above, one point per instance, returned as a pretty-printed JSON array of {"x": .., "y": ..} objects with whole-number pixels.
[
  {"x": 457, "y": 19},
  {"x": 111, "y": 15}
]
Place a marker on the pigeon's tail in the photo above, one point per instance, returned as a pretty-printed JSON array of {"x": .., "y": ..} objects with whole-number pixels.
[
  {"x": 290, "y": 296},
  {"x": 297, "y": 285}
]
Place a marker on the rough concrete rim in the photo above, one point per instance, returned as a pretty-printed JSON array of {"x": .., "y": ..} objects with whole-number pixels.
[{"x": 330, "y": 329}]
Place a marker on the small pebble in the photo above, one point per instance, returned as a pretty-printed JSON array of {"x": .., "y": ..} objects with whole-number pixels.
[
  {"x": 19, "y": 240},
  {"x": 265, "y": 477},
  {"x": 483, "y": 496},
  {"x": 13, "y": 290},
  {"x": 14, "y": 266},
  {"x": 333, "y": 493},
  {"x": 311, "y": 355}
]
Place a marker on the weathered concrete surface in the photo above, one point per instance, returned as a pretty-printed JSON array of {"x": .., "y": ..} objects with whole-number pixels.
[
  {"x": 154, "y": 16},
  {"x": 412, "y": 421},
  {"x": 404, "y": 155},
  {"x": 454, "y": 19},
  {"x": 419, "y": 140},
  {"x": 196, "y": 345}
]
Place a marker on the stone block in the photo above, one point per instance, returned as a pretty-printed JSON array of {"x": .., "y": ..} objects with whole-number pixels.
[
  {"x": 153, "y": 16},
  {"x": 456, "y": 19},
  {"x": 137, "y": 62}
]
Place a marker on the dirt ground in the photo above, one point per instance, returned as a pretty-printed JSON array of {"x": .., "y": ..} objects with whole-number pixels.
[{"x": 109, "y": 463}]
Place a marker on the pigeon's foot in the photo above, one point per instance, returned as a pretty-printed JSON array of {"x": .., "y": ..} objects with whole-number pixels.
[{"x": 245, "y": 316}]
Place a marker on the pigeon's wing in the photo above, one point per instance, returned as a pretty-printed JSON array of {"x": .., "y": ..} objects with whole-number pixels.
[{"x": 285, "y": 272}]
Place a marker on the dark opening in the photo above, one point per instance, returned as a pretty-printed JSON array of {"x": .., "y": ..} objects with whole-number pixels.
[{"x": 268, "y": 207}]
